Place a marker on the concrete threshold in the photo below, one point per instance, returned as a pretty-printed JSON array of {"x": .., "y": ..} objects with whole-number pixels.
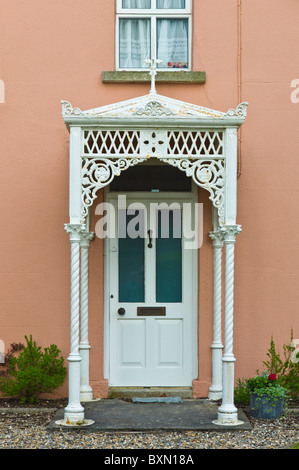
[{"x": 144, "y": 392}]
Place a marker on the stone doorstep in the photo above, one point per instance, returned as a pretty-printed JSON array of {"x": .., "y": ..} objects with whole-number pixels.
[
  {"x": 143, "y": 392},
  {"x": 116, "y": 415}
]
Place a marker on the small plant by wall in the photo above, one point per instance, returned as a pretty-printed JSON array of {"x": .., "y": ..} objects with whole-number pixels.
[
  {"x": 32, "y": 372},
  {"x": 285, "y": 368}
]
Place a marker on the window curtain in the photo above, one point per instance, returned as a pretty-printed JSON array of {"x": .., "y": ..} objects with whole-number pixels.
[
  {"x": 134, "y": 45},
  {"x": 171, "y": 4},
  {"x": 146, "y": 4},
  {"x": 172, "y": 43},
  {"x": 137, "y": 4}
]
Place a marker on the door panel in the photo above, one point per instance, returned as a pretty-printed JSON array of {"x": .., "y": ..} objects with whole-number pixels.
[
  {"x": 150, "y": 347},
  {"x": 131, "y": 343},
  {"x": 169, "y": 343}
]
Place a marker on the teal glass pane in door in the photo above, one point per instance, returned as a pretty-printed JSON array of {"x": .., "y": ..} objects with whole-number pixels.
[
  {"x": 169, "y": 257},
  {"x": 130, "y": 262}
]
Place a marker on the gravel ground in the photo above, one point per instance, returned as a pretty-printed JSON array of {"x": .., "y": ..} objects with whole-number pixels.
[{"x": 28, "y": 430}]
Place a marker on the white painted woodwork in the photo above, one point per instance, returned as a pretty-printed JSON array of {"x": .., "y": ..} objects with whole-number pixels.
[
  {"x": 84, "y": 346},
  {"x": 227, "y": 412},
  {"x": 74, "y": 412},
  {"x": 75, "y": 175},
  {"x": 153, "y": 14},
  {"x": 153, "y": 351},
  {"x": 215, "y": 391},
  {"x": 230, "y": 182},
  {"x": 198, "y": 141}
]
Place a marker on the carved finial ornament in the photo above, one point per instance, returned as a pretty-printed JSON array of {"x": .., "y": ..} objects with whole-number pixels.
[
  {"x": 241, "y": 111},
  {"x": 153, "y": 72}
]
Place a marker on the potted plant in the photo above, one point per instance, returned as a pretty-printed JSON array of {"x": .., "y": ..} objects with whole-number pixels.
[{"x": 267, "y": 396}]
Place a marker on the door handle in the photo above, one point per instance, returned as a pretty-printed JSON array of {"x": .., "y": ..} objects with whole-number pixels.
[
  {"x": 150, "y": 245},
  {"x": 121, "y": 311}
]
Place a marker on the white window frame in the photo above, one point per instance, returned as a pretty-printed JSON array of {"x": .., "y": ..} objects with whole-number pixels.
[{"x": 153, "y": 14}]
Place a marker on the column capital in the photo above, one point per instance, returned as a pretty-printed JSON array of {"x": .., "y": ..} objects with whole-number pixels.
[
  {"x": 86, "y": 238},
  {"x": 229, "y": 232},
  {"x": 232, "y": 130},
  {"x": 217, "y": 237},
  {"x": 74, "y": 231}
]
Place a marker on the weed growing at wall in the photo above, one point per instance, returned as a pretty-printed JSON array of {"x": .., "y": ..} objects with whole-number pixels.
[{"x": 242, "y": 394}]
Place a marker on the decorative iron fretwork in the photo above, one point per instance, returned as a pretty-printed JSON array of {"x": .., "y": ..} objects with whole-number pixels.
[
  {"x": 153, "y": 142},
  {"x": 206, "y": 174},
  {"x": 112, "y": 142},
  {"x": 241, "y": 111},
  {"x": 197, "y": 143},
  {"x": 153, "y": 108},
  {"x": 68, "y": 110},
  {"x": 98, "y": 173}
]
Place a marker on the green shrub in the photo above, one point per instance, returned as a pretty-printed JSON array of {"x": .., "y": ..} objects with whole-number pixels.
[{"x": 33, "y": 372}]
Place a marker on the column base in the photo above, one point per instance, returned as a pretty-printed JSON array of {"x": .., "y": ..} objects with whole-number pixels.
[
  {"x": 215, "y": 394},
  {"x": 85, "y": 389},
  {"x": 74, "y": 414},
  {"x": 215, "y": 390},
  {"x": 74, "y": 411},
  {"x": 227, "y": 416},
  {"x": 86, "y": 394},
  {"x": 224, "y": 422},
  {"x": 85, "y": 422}
]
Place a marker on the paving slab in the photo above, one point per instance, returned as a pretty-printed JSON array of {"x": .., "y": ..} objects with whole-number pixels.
[{"x": 117, "y": 415}]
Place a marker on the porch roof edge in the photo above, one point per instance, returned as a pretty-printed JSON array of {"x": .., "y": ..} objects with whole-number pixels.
[{"x": 156, "y": 110}]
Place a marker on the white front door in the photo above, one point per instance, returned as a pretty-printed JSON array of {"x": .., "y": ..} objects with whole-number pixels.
[{"x": 152, "y": 295}]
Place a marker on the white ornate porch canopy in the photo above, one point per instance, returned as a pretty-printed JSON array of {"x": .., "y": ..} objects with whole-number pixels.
[{"x": 198, "y": 141}]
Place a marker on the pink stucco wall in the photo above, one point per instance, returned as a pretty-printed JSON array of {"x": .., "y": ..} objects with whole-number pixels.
[{"x": 57, "y": 50}]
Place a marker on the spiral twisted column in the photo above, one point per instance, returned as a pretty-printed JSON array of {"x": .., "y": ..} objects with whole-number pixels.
[
  {"x": 75, "y": 296},
  {"x": 84, "y": 347},
  {"x": 215, "y": 391},
  {"x": 74, "y": 412},
  {"x": 227, "y": 412}
]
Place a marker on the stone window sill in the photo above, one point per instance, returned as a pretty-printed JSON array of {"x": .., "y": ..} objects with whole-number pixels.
[{"x": 125, "y": 76}]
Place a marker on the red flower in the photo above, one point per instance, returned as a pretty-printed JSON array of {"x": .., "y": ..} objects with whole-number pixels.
[{"x": 272, "y": 377}]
